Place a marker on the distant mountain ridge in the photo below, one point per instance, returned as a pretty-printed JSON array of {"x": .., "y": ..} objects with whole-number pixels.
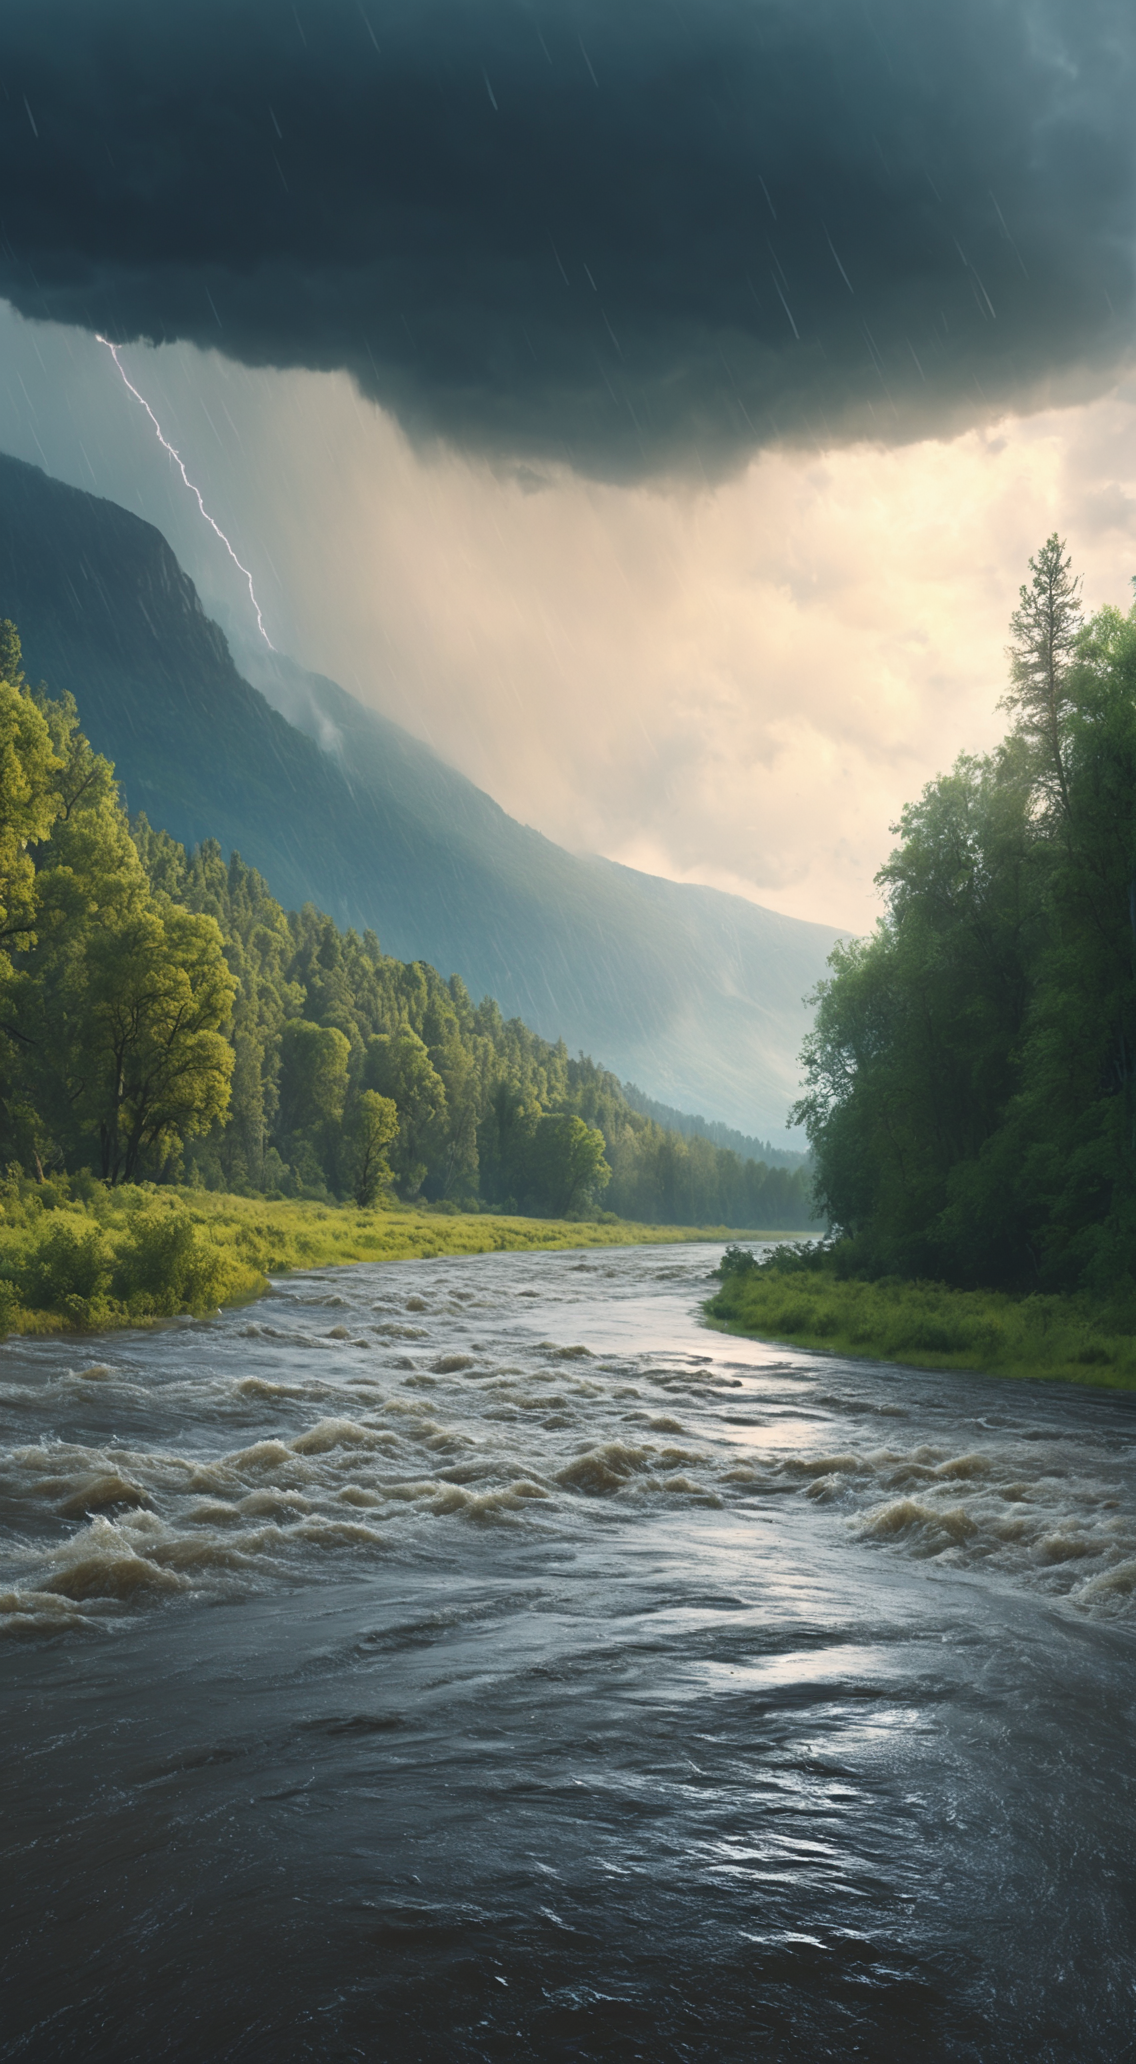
[
  {"x": 695, "y": 994},
  {"x": 695, "y": 1126}
]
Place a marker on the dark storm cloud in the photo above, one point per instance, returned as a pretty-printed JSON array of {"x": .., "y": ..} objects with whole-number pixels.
[{"x": 638, "y": 236}]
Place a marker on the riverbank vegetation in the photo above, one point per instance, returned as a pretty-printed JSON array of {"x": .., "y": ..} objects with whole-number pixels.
[
  {"x": 799, "y": 1295},
  {"x": 970, "y": 1082},
  {"x": 77, "y": 1254},
  {"x": 970, "y": 1088}
]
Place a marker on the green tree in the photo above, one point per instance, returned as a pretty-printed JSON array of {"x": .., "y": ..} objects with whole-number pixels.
[
  {"x": 370, "y": 1127},
  {"x": 971, "y": 1078},
  {"x": 1045, "y": 629},
  {"x": 313, "y": 1091},
  {"x": 910, "y": 1066},
  {"x": 565, "y": 1167},
  {"x": 121, "y": 994},
  {"x": 313, "y": 1076},
  {"x": 146, "y": 1063},
  {"x": 398, "y": 1066},
  {"x": 458, "y": 1072},
  {"x": 1071, "y": 1129},
  {"x": 29, "y": 799}
]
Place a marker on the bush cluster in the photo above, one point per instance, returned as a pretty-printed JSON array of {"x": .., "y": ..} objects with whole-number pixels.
[{"x": 90, "y": 1256}]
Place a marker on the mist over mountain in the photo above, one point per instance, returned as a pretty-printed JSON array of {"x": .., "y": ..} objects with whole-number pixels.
[
  {"x": 695, "y": 994},
  {"x": 693, "y": 1126}
]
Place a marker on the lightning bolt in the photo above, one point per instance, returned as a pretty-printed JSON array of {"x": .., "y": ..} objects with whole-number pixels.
[{"x": 195, "y": 491}]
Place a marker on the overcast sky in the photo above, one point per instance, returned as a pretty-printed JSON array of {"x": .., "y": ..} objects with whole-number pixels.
[{"x": 653, "y": 409}]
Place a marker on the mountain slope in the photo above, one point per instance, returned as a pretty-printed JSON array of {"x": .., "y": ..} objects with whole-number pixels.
[{"x": 695, "y": 994}]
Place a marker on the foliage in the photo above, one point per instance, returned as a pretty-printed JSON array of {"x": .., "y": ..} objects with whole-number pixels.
[
  {"x": 929, "y": 1325},
  {"x": 484, "y": 1105},
  {"x": 114, "y": 996},
  {"x": 29, "y": 798},
  {"x": 167, "y": 1262},
  {"x": 400, "y": 1069},
  {"x": 75, "y": 1254},
  {"x": 136, "y": 1045},
  {"x": 737, "y": 1261},
  {"x": 162, "y": 1017},
  {"x": 70, "y": 1262},
  {"x": 374, "y": 1125},
  {"x": 1044, "y": 630},
  {"x": 788, "y": 1257},
  {"x": 565, "y": 1162},
  {"x": 971, "y": 1077}
]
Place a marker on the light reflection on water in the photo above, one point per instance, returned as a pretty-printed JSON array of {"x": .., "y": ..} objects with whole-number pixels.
[{"x": 479, "y": 1658}]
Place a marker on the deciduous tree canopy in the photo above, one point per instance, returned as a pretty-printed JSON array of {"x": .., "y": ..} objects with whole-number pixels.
[{"x": 971, "y": 1094}]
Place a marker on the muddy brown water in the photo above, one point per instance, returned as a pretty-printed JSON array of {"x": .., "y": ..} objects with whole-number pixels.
[{"x": 478, "y": 1659}]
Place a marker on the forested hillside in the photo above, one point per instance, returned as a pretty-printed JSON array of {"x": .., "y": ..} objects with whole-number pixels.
[
  {"x": 971, "y": 1094},
  {"x": 165, "y": 1018},
  {"x": 696, "y": 994}
]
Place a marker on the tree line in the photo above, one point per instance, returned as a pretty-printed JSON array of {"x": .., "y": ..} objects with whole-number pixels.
[
  {"x": 165, "y": 1019},
  {"x": 971, "y": 1078}
]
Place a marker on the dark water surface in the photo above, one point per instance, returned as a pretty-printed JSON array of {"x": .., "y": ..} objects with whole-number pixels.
[{"x": 478, "y": 1659}]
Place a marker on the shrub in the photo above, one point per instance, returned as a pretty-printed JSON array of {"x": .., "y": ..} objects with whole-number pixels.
[
  {"x": 72, "y": 1260},
  {"x": 169, "y": 1263},
  {"x": 737, "y": 1261}
]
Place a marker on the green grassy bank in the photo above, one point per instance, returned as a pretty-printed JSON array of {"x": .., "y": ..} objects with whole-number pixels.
[
  {"x": 929, "y": 1326},
  {"x": 77, "y": 1256}
]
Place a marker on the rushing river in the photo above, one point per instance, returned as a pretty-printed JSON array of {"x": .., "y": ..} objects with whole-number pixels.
[{"x": 478, "y": 1659}]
